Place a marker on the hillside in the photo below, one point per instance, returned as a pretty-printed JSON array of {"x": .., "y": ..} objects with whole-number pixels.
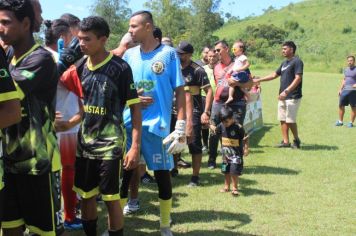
[{"x": 325, "y": 33}]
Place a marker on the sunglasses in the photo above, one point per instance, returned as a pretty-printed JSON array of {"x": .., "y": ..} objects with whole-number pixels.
[
  {"x": 236, "y": 48},
  {"x": 217, "y": 50}
]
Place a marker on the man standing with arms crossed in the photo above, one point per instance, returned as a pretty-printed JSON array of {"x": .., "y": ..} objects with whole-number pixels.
[
  {"x": 156, "y": 71},
  {"x": 290, "y": 93}
]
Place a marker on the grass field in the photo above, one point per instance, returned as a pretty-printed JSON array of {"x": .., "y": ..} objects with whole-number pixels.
[{"x": 283, "y": 191}]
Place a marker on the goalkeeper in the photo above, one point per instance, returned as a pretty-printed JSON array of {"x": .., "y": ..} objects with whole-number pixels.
[{"x": 156, "y": 73}]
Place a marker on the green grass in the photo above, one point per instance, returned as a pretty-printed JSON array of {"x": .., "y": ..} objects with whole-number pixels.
[{"x": 283, "y": 192}]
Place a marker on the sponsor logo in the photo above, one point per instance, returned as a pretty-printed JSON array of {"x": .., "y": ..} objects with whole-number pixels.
[
  {"x": 157, "y": 67},
  {"x": 95, "y": 110},
  {"x": 146, "y": 85}
]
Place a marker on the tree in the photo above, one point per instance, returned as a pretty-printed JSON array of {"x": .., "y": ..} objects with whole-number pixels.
[
  {"x": 171, "y": 16},
  {"x": 117, "y": 14},
  {"x": 204, "y": 21}
]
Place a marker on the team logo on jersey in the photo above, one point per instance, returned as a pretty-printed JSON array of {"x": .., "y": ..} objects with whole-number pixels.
[
  {"x": 3, "y": 73},
  {"x": 232, "y": 133},
  {"x": 188, "y": 78},
  {"x": 157, "y": 67},
  {"x": 28, "y": 74}
]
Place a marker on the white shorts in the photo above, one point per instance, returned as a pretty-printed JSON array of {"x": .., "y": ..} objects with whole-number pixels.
[{"x": 288, "y": 109}]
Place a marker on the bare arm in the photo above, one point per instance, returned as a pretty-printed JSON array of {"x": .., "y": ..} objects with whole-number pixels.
[
  {"x": 64, "y": 125},
  {"x": 266, "y": 78},
  {"x": 208, "y": 101},
  {"x": 342, "y": 85},
  {"x": 132, "y": 156},
  {"x": 10, "y": 113}
]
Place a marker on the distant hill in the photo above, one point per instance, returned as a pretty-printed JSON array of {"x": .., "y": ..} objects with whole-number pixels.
[{"x": 324, "y": 31}]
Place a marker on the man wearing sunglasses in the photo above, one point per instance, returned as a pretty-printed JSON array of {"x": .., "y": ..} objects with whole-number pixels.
[{"x": 238, "y": 105}]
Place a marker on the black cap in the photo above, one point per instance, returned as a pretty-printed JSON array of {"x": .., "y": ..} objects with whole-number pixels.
[{"x": 185, "y": 47}]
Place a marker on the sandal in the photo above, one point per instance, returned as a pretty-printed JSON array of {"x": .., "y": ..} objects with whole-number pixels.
[
  {"x": 235, "y": 193},
  {"x": 224, "y": 190}
]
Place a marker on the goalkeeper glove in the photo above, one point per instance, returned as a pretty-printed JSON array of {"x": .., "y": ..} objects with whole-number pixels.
[
  {"x": 176, "y": 138},
  {"x": 69, "y": 56}
]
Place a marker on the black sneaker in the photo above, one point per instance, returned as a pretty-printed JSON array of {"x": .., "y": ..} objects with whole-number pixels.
[
  {"x": 174, "y": 172},
  {"x": 211, "y": 165},
  {"x": 194, "y": 182},
  {"x": 147, "y": 179},
  {"x": 282, "y": 144},
  {"x": 183, "y": 164},
  {"x": 296, "y": 144}
]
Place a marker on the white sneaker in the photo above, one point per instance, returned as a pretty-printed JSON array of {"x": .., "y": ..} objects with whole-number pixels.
[
  {"x": 131, "y": 207},
  {"x": 166, "y": 231}
]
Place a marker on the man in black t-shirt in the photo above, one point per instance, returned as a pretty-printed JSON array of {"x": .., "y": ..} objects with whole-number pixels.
[
  {"x": 195, "y": 80},
  {"x": 290, "y": 93}
]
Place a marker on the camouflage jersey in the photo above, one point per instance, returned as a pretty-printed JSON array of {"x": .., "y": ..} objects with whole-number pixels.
[
  {"x": 7, "y": 92},
  {"x": 31, "y": 145},
  {"x": 105, "y": 88}
]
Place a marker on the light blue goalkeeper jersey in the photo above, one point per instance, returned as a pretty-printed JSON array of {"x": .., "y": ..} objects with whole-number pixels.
[{"x": 158, "y": 72}]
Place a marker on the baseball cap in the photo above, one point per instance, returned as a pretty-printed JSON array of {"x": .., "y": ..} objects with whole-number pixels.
[{"x": 185, "y": 47}]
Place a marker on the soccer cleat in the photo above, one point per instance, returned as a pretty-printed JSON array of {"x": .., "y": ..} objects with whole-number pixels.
[
  {"x": 131, "y": 207},
  {"x": 174, "y": 172},
  {"x": 183, "y": 164},
  {"x": 339, "y": 123},
  {"x": 296, "y": 144},
  {"x": 282, "y": 144},
  {"x": 211, "y": 166},
  {"x": 194, "y": 182},
  {"x": 166, "y": 231},
  {"x": 76, "y": 224},
  {"x": 350, "y": 125},
  {"x": 147, "y": 179}
]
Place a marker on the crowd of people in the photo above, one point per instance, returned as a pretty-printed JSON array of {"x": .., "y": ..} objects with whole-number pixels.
[{"x": 76, "y": 118}]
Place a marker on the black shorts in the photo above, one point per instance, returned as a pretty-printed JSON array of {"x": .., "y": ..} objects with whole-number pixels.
[
  {"x": 196, "y": 146},
  {"x": 232, "y": 168},
  {"x": 34, "y": 201},
  {"x": 97, "y": 176},
  {"x": 348, "y": 97}
]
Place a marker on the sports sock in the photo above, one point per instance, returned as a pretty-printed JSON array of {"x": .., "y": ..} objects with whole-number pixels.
[
  {"x": 89, "y": 227},
  {"x": 165, "y": 210},
  {"x": 119, "y": 232},
  {"x": 123, "y": 202}
]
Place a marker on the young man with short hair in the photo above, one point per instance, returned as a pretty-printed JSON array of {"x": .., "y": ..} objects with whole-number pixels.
[
  {"x": 290, "y": 93},
  {"x": 31, "y": 156},
  {"x": 105, "y": 83},
  {"x": 195, "y": 81},
  {"x": 156, "y": 70}
]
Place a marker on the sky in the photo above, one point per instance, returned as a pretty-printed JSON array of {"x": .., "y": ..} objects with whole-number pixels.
[{"x": 53, "y": 9}]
